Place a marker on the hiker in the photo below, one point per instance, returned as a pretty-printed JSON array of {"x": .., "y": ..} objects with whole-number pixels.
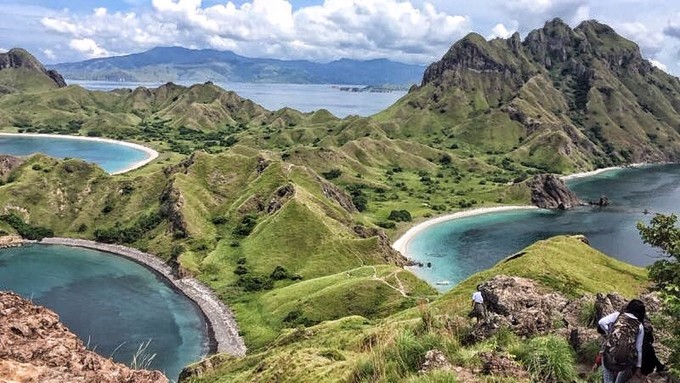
[
  {"x": 622, "y": 349},
  {"x": 649, "y": 358},
  {"x": 478, "y": 310}
]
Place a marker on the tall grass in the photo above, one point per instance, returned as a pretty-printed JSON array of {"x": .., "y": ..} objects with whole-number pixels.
[
  {"x": 548, "y": 359},
  {"x": 142, "y": 358}
]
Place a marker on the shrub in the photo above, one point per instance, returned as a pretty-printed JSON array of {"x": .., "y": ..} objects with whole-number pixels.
[
  {"x": 332, "y": 174},
  {"x": 26, "y": 230},
  {"x": 279, "y": 273},
  {"x": 548, "y": 359},
  {"x": 400, "y": 216},
  {"x": 360, "y": 201},
  {"x": 246, "y": 226},
  {"x": 255, "y": 282},
  {"x": 386, "y": 224},
  {"x": 241, "y": 270},
  {"x": 219, "y": 220}
]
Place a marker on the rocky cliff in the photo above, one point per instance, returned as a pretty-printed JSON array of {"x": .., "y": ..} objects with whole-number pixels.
[
  {"x": 563, "y": 99},
  {"x": 36, "y": 347},
  {"x": 550, "y": 192},
  {"x": 35, "y": 76}
]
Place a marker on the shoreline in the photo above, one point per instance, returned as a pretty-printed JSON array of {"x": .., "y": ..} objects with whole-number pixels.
[
  {"x": 574, "y": 176},
  {"x": 401, "y": 244},
  {"x": 222, "y": 327},
  {"x": 151, "y": 154}
]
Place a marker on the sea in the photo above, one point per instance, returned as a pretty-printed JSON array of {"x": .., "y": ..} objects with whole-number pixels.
[
  {"x": 458, "y": 248},
  {"x": 116, "y": 306},
  {"x": 302, "y": 97}
]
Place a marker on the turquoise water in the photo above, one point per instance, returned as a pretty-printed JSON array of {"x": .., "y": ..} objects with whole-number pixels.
[
  {"x": 459, "y": 248},
  {"x": 112, "y": 303},
  {"x": 302, "y": 97},
  {"x": 110, "y": 156}
]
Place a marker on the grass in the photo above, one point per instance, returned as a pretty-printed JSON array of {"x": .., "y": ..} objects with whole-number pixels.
[{"x": 548, "y": 359}]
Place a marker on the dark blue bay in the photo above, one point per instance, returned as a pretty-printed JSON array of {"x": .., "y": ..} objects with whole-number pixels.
[
  {"x": 461, "y": 247},
  {"x": 112, "y": 303}
]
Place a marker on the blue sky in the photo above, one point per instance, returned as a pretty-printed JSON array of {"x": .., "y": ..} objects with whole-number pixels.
[{"x": 415, "y": 31}]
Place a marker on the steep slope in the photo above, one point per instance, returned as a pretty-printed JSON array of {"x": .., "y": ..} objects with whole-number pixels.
[
  {"x": 21, "y": 72},
  {"x": 393, "y": 349},
  {"x": 243, "y": 223},
  {"x": 563, "y": 99},
  {"x": 38, "y": 348},
  {"x": 182, "y": 64}
]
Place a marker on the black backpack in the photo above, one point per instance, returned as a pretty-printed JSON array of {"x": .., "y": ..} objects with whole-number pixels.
[{"x": 619, "y": 352}]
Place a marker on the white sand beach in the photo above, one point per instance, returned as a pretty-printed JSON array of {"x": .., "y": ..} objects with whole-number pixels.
[
  {"x": 599, "y": 171},
  {"x": 401, "y": 244},
  {"x": 150, "y": 153}
]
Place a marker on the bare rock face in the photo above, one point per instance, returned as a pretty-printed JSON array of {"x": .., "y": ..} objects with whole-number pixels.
[
  {"x": 521, "y": 302},
  {"x": 9, "y": 163},
  {"x": 20, "y": 58},
  {"x": 550, "y": 192},
  {"x": 607, "y": 304},
  {"x": 36, "y": 347}
]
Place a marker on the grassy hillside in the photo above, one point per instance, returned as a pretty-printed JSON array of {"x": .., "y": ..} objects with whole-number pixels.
[
  {"x": 563, "y": 99},
  {"x": 357, "y": 349},
  {"x": 287, "y": 215}
]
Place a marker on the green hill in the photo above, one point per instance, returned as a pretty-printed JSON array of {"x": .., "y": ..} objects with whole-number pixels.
[
  {"x": 562, "y": 99},
  {"x": 21, "y": 72},
  {"x": 356, "y": 349},
  {"x": 282, "y": 212}
]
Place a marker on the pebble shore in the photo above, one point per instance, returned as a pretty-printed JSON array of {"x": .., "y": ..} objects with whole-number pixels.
[{"x": 223, "y": 327}]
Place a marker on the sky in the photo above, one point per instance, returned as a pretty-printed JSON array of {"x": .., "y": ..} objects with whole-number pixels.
[{"x": 413, "y": 31}]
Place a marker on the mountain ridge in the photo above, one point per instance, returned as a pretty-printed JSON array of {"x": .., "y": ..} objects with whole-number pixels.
[
  {"x": 586, "y": 94},
  {"x": 184, "y": 64},
  {"x": 21, "y": 71}
]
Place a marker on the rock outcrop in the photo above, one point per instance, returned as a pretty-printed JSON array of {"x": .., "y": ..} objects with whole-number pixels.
[
  {"x": 519, "y": 304},
  {"x": 9, "y": 163},
  {"x": 10, "y": 241},
  {"x": 550, "y": 192},
  {"x": 36, "y": 347},
  {"x": 19, "y": 58}
]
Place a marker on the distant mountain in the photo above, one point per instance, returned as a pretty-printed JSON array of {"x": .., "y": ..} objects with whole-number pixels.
[
  {"x": 182, "y": 64},
  {"x": 22, "y": 72},
  {"x": 562, "y": 99}
]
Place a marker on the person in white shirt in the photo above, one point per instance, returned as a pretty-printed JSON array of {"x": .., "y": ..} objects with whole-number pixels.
[
  {"x": 478, "y": 310},
  {"x": 635, "y": 309}
]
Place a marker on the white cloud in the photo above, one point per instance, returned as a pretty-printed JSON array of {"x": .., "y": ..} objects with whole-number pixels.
[
  {"x": 650, "y": 41},
  {"x": 337, "y": 28},
  {"x": 501, "y": 31},
  {"x": 57, "y": 25},
  {"x": 49, "y": 54},
  {"x": 88, "y": 47},
  {"x": 659, "y": 65},
  {"x": 673, "y": 27},
  {"x": 3, "y": 50}
]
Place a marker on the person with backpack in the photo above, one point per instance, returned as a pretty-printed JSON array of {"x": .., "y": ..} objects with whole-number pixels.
[{"x": 622, "y": 348}]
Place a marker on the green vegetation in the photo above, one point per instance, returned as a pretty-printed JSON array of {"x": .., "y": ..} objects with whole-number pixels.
[
  {"x": 663, "y": 233},
  {"x": 281, "y": 212},
  {"x": 26, "y": 230},
  {"x": 392, "y": 348},
  {"x": 548, "y": 359}
]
